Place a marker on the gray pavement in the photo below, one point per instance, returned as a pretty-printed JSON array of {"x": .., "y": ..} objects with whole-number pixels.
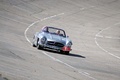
[{"x": 93, "y": 26}]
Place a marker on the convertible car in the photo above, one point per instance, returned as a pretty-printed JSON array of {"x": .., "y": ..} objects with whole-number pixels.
[{"x": 52, "y": 38}]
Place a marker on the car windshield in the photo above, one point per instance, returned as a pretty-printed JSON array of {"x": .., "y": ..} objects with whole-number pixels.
[{"x": 55, "y": 31}]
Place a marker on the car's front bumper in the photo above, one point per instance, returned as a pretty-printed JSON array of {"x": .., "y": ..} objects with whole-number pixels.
[
  {"x": 52, "y": 47},
  {"x": 56, "y": 46}
]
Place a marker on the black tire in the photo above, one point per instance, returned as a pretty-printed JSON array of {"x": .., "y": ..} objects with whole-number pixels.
[
  {"x": 33, "y": 42},
  {"x": 61, "y": 51},
  {"x": 39, "y": 46},
  {"x": 64, "y": 52},
  {"x": 33, "y": 45}
]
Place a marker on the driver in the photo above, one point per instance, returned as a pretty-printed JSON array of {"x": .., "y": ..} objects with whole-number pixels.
[{"x": 58, "y": 32}]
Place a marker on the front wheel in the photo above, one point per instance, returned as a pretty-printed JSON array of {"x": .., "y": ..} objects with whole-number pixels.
[
  {"x": 39, "y": 47},
  {"x": 33, "y": 45}
]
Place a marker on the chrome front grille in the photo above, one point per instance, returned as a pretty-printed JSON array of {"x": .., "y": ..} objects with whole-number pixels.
[{"x": 57, "y": 44}]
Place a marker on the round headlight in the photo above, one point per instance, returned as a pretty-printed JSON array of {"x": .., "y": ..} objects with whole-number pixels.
[
  {"x": 69, "y": 43},
  {"x": 43, "y": 40}
]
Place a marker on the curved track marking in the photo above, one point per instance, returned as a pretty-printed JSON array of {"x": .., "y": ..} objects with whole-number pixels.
[
  {"x": 98, "y": 35},
  {"x": 25, "y": 33},
  {"x": 53, "y": 58},
  {"x": 80, "y": 72},
  {"x": 109, "y": 37}
]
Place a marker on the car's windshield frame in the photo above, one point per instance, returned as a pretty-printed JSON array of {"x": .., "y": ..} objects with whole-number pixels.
[{"x": 49, "y": 30}]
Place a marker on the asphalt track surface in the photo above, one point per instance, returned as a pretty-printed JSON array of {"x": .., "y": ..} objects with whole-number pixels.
[{"x": 93, "y": 26}]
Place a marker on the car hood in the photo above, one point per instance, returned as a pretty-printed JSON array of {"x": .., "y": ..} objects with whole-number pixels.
[{"x": 57, "y": 38}]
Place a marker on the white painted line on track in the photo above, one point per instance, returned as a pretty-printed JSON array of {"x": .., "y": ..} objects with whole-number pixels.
[
  {"x": 80, "y": 72},
  {"x": 58, "y": 60},
  {"x": 106, "y": 37},
  {"x": 117, "y": 23},
  {"x": 25, "y": 33},
  {"x": 53, "y": 58},
  {"x": 99, "y": 35},
  {"x": 109, "y": 37}
]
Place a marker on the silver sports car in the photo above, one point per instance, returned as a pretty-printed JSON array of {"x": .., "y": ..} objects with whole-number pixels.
[{"x": 52, "y": 38}]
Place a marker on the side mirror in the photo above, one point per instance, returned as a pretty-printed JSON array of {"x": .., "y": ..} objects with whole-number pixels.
[{"x": 67, "y": 36}]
